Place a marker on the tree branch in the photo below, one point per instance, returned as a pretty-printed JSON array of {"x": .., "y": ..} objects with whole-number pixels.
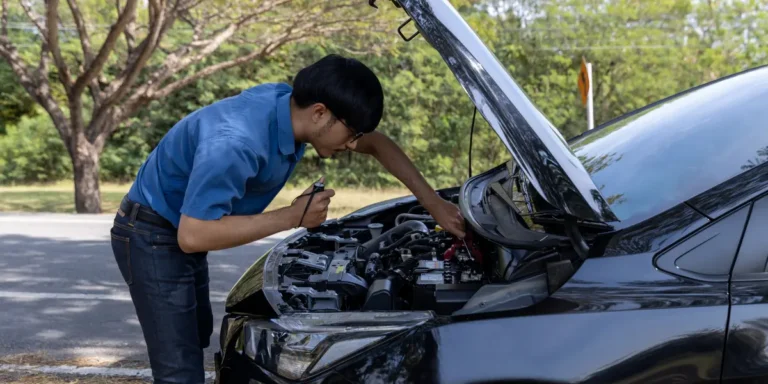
[
  {"x": 85, "y": 40},
  {"x": 170, "y": 88},
  {"x": 96, "y": 94},
  {"x": 35, "y": 18},
  {"x": 36, "y": 86},
  {"x": 42, "y": 67},
  {"x": 4, "y": 19},
  {"x": 120, "y": 86},
  {"x": 52, "y": 27},
  {"x": 109, "y": 124},
  {"x": 130, "y": 30},
  {"x": 109, "y": 43},
  {"x": 181, "y": 58},
  {"x": 191, "y": 4},
  {"x": 159, "y": 24},
  {"x": 302, "y": 27},
  {"x": 297, "y": 34}
]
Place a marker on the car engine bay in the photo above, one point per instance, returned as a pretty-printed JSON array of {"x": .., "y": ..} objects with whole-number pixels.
[{"x": 404, "y": 261}]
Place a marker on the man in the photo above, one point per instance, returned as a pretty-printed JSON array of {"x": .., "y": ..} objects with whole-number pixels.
[{"x": 206, "y": 184}]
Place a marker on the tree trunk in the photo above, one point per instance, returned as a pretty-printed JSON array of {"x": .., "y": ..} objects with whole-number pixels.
[{"x": 85, "y": 163}]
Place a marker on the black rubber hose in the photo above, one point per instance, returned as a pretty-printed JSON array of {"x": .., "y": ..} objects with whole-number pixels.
[
  {"x": 397, "y": 275},
  {"x": 386, "y": 238},
  {"x": 411, "y": 216},
  {"x": 406, "y": 267},
  {"x": 422, "y": 241},
  {"x": 405, "y": 239}
]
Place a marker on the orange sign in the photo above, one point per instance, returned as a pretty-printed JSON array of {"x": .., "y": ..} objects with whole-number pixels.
[{"x": 583, "y": 82}]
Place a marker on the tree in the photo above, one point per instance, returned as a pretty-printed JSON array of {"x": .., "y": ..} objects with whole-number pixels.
[
  {"x": 15, "y": 102},
  {"x": 641, "y": 51},
  {"x": 147, "y": 54}
]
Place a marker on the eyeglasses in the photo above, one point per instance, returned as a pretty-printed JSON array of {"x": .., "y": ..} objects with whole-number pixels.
[{"x": 355, "y": 135}]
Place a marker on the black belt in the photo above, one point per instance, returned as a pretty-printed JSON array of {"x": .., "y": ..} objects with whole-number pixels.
[{"x": 144, "y": 214}]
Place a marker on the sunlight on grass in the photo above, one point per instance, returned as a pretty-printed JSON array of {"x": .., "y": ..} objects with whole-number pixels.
[
  {"x": 53, "y": 379},
  {"x": 59, "y": 198}
]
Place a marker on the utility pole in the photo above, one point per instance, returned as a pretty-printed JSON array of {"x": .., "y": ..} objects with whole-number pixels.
[
  {"x": 585, "y": 88},
  {"x": 590, "y": 109}
]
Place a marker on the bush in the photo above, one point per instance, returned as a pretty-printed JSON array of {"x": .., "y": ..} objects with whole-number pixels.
[
  {"x": 31, "y": 151},
  {"x": 123, "y": 155}
]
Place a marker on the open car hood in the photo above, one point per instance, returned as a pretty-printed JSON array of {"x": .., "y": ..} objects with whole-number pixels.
[{"x": 537, "y": 146}]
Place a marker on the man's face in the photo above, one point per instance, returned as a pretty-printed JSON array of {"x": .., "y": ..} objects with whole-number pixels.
[{"x": 331, "y": 135}]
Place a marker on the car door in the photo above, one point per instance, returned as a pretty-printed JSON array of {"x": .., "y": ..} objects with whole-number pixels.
[{"x": 746, "y": 346}]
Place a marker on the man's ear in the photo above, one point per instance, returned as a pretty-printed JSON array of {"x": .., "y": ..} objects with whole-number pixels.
[{"x": 319, "y": 111}]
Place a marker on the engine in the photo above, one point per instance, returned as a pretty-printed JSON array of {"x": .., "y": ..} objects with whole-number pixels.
[{"x": 411, "y": 264}]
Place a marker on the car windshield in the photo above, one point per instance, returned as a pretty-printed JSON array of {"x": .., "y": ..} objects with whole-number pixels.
[{"x": 657, "y": 158}]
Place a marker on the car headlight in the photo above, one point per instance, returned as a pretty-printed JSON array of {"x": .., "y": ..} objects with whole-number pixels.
[{"x": 300, "y": 345}]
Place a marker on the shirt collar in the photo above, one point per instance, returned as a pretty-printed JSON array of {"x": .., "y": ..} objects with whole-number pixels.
[{"x": 285, "y": 139}]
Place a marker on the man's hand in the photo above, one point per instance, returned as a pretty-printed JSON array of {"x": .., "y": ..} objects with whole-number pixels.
[
  {"x": 447, "y": 216},
  {"x": 317, "y": 212},
  {"x": 230, "y": 231},
  {"x": 397, "y": 163}
]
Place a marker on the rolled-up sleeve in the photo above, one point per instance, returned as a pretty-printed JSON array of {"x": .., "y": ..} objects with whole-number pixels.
[{"x": 219, "y": 174}]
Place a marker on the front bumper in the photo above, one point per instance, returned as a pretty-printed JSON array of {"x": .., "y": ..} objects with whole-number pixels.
[{"x": 407, "y": 358}]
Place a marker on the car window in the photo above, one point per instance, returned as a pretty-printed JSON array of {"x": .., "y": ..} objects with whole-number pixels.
[
  {"x": 653, "y": 160},
  {"x": 707, "y": 255},
  {"x": 752, "y": 261}
]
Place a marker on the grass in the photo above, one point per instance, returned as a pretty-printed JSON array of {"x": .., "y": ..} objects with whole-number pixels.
[
  {"x": 59, "y": 198},
  {"x": 41, "y": 359},
  {"x": 53, "y": 379}
]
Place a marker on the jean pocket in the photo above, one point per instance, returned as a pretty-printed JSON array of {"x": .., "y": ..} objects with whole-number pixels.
[
  {"x": 121, "y": 247},
  {"x": 165, "y": 242}
]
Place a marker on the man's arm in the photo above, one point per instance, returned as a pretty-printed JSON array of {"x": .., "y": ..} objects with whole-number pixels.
[
  {"x": 196, "y": 235},
  {"x": 231, "y": 231},
  {"x": 394, "y": 160},
  {"x": 222, "y": 167}
]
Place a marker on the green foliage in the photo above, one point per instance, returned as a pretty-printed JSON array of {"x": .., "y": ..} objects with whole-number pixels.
[
  {"x": 124, "y": 154},
  {"x": 15, "y": 102},
  {"x": 31, "y": 151},
  {"x": 641, "y": 51}
]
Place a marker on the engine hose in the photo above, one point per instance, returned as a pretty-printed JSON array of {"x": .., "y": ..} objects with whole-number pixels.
[
  {"x": 405, "y": 239},
  {"x": 405, "y": 268},
  {"x": 398, "y": 275},
  {"x": 385, "y": 238},
  {"x": 421, "y": 241},
  {"x": 411, "y": 216}
]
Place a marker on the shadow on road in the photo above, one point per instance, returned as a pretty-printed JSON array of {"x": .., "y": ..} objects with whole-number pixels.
[{"x": 66, "y": 298}]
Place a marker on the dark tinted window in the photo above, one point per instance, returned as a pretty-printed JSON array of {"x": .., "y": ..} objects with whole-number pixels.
[
  {"x": 671, "y": 152},
  {"x": 753, "y": 254},
  {"x": 707, "y": 255}
]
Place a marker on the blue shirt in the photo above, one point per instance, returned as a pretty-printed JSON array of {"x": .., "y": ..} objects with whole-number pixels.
[{"x": 229, "y": 158}]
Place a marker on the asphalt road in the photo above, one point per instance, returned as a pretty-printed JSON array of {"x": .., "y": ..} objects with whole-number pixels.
[{"x": 62, "y": 295}]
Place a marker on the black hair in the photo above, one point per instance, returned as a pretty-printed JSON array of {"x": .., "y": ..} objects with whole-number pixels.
[{"x": 349, "y": 89}]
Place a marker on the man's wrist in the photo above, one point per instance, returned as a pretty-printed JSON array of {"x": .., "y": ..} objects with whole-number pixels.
[
  {"x": 291, "y": 216},
  {"x": 285, "y": 218},
  {"x": 430, "y": 200}
]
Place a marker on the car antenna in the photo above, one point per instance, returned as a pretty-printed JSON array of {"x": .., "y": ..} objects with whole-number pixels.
[{"x": 471, "y": 133}]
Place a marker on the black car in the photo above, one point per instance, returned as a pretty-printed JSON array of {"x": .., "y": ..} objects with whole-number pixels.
[{"x": 636, "y": 252}]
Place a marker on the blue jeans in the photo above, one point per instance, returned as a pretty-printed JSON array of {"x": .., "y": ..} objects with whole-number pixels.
[{"x": 169, "y": 289}]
